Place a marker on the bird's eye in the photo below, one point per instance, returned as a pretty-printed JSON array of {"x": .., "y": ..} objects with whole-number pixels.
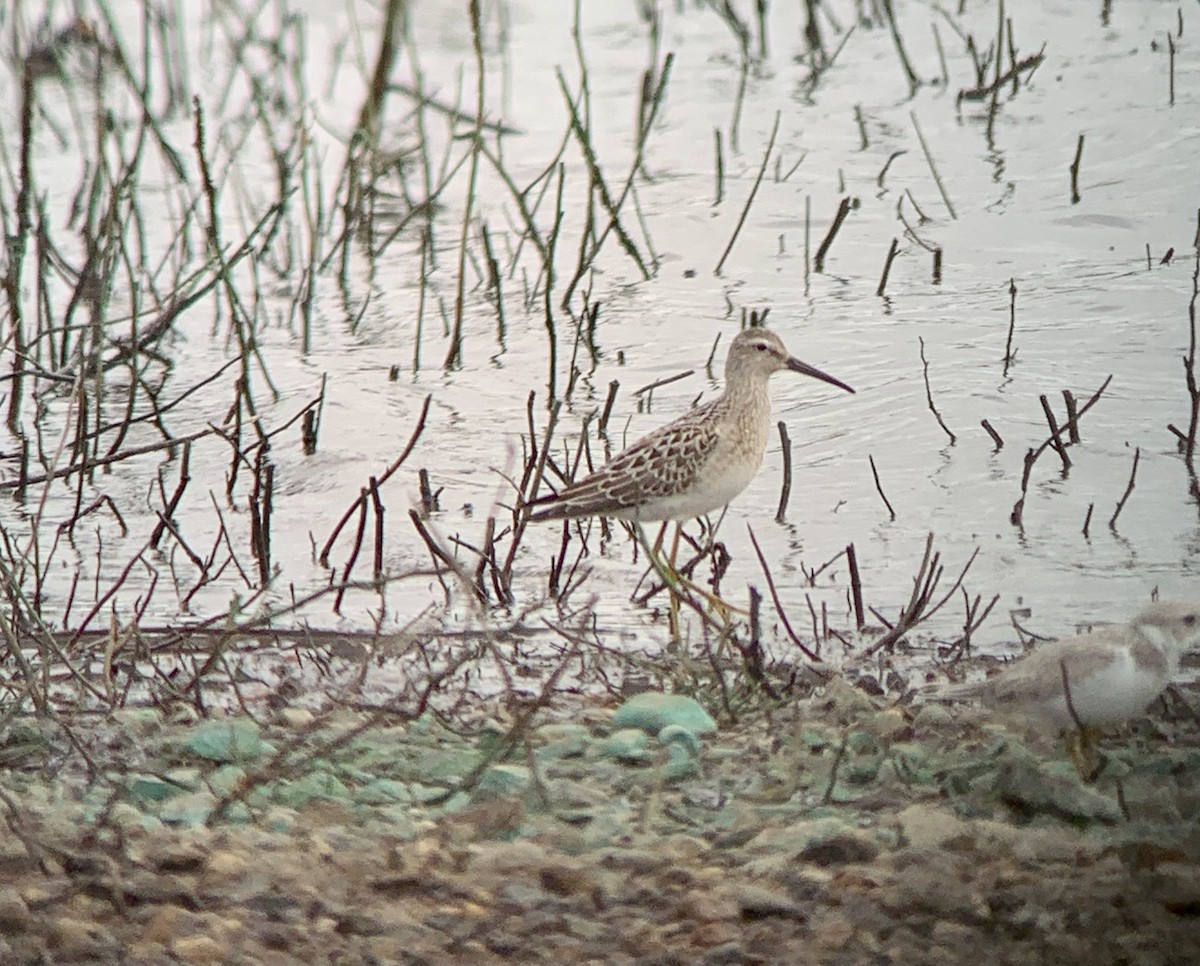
[
  {"x": 761, "y": 347},
  {"x": 1189, "y": 619}
]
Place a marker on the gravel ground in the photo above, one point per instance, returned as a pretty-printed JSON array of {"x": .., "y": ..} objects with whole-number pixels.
[{"x": 832, "y": 831}]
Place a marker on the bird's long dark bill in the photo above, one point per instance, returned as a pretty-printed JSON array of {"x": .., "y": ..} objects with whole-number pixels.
[{"x": 806, "y": 370}]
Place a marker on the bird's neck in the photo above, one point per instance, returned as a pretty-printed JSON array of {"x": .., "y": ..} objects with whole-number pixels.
[{"x": 742, "y": 391}]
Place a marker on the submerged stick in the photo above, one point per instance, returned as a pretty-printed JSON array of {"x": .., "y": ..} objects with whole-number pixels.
[
  {"x": 1075, "y": 171},
  {"x": 753, "y": 191},
  {"x": 786, "y": 444},
  {"x": 720, "y": 173},
  {"x": 879, "y": 487},
  {"x": 842, "y": 212},
  {"x": 787, "y": 625},
  {"x": 992, "y": 433},
  {"x": 937, "y": 178},
  {"x": 1072, "y": 415},
  {"x": 1055, "y": 438},
  {"x": 1009, "y": 355},
  {"x": 913, "y": 81},
  {"x": 383, "y": 477},
  {"x": 887, "y": 267},
  {"x": 1112, "y": 523},
  {"x": 855, "y": 586},
  {"x": 929, "y": 395}
]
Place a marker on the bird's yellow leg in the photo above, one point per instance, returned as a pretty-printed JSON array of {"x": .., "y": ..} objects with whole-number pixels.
[
  {"x": 1082, "y": 747},
  {"x": 675, "y": 581},
  {"x": 672, "y": 596}
]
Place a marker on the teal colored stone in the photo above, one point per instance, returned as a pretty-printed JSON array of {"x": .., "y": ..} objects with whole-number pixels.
[
  {"x": 189, "y": 810},
  {"x": 814, "y": 740},
  {"x": 653, "y": 711},
  {"x": 396, "y": 821},
  {"x": 384, "y": 791},
  {"x": 563, "y": 731},
  {"x": 447, "y": 765},
  {"x": 236, "y": 740},
  {"x": 150, "y": 789},
  {"x": 225, "y": 779},
  {"x": 677, "y": 736},
  {"x": 455, "y": 803},
  {"x": 862, "y": 743},
  {"x": 427, "y": 724},
  {"x": 317, "y": 784},
  {"x": 502, "y": 781},
  {"x": 424, "y": 794},
  {"x": 628, "y": 746},
  {"x": 681, "y": 764},
  {"x": 125, "y": 816},
  {"x": 189, "y": 779},
  {"x": 279, "y": 819},
  {"x": 563, "y": 741},
  {"x": 860, "y": 772},
  {"x": 491, "y": 738}
]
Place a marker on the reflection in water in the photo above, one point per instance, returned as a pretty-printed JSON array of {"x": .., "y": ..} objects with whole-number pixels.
[{"x": 611, "y": 163}]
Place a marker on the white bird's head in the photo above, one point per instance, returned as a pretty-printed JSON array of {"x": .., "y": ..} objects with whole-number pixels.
[{"x": 1171, "y": 623}]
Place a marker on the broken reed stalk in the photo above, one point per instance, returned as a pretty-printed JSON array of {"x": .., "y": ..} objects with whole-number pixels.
[
  {"x": 785, "y": 492},
  {"x": 762, "y": 169},
  {"x": 1055, "y": 439},
  {"x": 1075, "y": 197},
  {"x": 1072, "y": 415},
  {"x": 429, "y": 499},
  {"x": 752, "y": 654},
  {"x": 610, "y": 400},
  {"x": 530, "y": 484},
  {"x": 920, "y": 606},
  {"x": 17, "y": 245},
  {"x": 1009, "y": 355},
  {"x": 1017, "y": 515},
  {"x": 720, "y": 172},
  {"x": 783, "y": 618},
  {"x": 808, "y": 235},
  {"x": 383, "y": 477},
  {"x": 992, "y": 433},
  {"x": 937, "y": 178},
  {"x": 856, "y": 593},
  {"x": 909, "y": 73},
  {"x": 355, "y": 549},
  {"x": 171, "y": 505},
  {"x": 879, "y": 487},
  {"x": 454, "y": 354},
  {"x": 262, "y": 498},
  {"x": 842, "y": 212},
  {"x": 378, "y": 510},
  {"x": 929, "y": 395},
  {"x": 992, "y": 106},
  {"x": 1187, "y": 441},
  {"x": 887, "y": 267},
  {"x": 1112, "y": 522},
  {"x": 1171, "y": 68}
]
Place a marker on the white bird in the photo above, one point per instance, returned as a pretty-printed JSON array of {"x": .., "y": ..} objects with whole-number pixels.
[{"x": 1093, "y": 680}]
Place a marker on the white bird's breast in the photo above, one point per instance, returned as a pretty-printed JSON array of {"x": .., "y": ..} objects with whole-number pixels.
[{"x": 1114, "y": 693}]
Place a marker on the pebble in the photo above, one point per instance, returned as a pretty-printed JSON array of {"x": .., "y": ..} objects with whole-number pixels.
[{"x": 198, "y": 949}]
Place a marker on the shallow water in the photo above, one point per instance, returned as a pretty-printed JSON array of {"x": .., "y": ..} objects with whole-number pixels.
[{"x": 1087, "y": 307}]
